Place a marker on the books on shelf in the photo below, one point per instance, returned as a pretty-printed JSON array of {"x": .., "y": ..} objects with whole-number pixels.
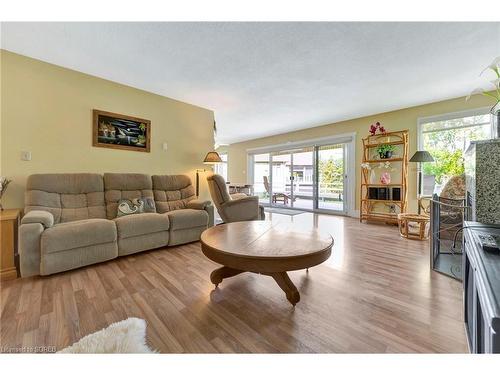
[{"x": 384, "y": 193}]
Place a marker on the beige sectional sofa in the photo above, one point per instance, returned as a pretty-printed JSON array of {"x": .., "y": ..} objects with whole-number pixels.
[{"x": 71, "y": 220}]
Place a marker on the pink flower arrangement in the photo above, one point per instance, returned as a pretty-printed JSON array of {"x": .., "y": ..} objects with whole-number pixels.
[{"x": 375, "y": 127}]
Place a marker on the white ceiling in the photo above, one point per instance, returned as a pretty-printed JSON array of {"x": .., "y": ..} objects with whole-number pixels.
[{"x": 269, "y": 78}]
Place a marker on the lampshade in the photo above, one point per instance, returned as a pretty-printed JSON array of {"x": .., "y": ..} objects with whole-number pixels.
[
  {"x": 212, "y": 158},
  {"x": 422, "y": 157}
]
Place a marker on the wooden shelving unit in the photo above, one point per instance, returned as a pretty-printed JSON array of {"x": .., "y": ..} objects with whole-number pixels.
[{"x": 385, "y": 210}]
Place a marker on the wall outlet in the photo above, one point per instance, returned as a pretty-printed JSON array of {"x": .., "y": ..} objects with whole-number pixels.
[
  {"x": 26, "y": 155},
  {"x": 164, "y": 146}
]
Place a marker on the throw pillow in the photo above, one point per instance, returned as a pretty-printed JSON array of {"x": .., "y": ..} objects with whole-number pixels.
[{"x": 135, "y": 206}]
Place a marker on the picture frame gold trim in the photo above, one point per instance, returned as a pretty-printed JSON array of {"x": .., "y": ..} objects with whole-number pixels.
[{"x": 95, "y": 131}]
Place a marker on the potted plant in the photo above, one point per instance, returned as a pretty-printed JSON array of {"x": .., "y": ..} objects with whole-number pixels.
[
  {"x": 385, "y": 151},
  {"x": 493, "y": 91},
  {"x": 4, "y": 182}
]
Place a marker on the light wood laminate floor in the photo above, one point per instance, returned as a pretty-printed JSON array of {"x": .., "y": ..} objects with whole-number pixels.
[{"x": 375, "y": 294}]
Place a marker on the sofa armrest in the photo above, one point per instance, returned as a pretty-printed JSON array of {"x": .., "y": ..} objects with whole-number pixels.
[
  {"x": 198, "y": 204},
  {"x": 29, "y": 248},
  {"x": 210, "y": 212},
  {"x": 243, "y": 209},
  {"x": 38, "y": 217},
  {"x": 248, "y": 199},
  {"x": 237, "y": 196}
]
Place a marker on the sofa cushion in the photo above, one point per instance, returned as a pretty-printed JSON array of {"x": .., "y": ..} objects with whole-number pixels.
[
  {"x": 132, "y": 245},
  {"x": 67, "y": 196},
  {"x": 119, "y": 186},
  {"x": 135, "y": 206},
  {"x": 79, "y": 257},
  {"x": 187, "y": 218},
  {"x": 145, "y": 223},
  {"x": 172, "y": 192},
  {"x": 76, "y": 234}
]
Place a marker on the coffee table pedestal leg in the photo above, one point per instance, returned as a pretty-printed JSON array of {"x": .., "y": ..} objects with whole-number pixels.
[
  {"x": 284, "y": 282},
  {"x": 281, "y": 278},
  {"x": 221, "y": 273}
]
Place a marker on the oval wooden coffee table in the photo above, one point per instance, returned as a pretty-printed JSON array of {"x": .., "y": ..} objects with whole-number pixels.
[{"x": 265, "y": 248}]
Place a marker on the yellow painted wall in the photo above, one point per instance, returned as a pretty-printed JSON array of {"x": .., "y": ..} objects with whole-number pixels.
[
  {"x": 393, "y": 121},
  {"x": 47, "y": 110}
]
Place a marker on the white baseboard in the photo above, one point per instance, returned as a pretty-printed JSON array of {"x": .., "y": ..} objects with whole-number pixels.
[{"x": 353, "y": 213}]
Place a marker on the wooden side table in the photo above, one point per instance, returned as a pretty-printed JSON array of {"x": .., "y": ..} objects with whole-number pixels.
[
  {"x": 9, "y": 220},
  {"x": 414, "y": 226}
]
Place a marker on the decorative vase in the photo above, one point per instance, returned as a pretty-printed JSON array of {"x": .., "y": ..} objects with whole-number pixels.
[
  {"x": 385, "y": 179},
  {"x": 388, "y": 154},
  {"x": 372, "y": 177}
]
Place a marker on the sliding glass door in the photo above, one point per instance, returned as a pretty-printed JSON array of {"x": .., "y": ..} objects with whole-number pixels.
[
  {"x": 261, "y": 177},
  {"x": 308, "y": 178},
  {"x": 281, "y": 177},
  {"x": 302, "y": 182},
  {"x": 331, "y": 186}
]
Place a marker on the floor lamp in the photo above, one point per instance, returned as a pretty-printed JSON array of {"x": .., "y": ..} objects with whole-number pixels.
[
  {"x": 420, "y": 157},
  {"x": 211, "y": 158}
]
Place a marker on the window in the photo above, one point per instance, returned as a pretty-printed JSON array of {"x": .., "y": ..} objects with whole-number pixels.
[
  {"x": 221, "y": 168},
  {"x": 446, "y": 138}
]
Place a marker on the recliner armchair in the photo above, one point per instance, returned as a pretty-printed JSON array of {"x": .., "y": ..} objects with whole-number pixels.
[{"x": 233, "y": 209}]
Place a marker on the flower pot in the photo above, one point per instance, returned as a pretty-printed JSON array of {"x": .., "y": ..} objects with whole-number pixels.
[
  {"x": 381, "y": 155},
  {"x": 388, "y": 154}
]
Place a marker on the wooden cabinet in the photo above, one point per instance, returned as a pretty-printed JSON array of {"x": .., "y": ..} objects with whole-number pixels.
[
  {"x": 9, "y": 220},
  {"x": 481, "y": 280}
]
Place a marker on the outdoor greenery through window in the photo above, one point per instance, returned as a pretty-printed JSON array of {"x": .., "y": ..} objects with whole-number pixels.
[{"x": 447, "y": 141}]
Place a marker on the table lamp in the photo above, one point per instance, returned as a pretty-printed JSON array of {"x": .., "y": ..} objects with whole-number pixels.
[{"x": 212, "y": 157}]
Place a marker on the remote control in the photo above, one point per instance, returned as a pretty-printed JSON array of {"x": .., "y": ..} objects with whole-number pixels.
[{"x": 489, "y": 242}]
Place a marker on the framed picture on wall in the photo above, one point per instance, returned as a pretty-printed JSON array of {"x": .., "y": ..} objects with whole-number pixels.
[{"x": 113, "y": 130}]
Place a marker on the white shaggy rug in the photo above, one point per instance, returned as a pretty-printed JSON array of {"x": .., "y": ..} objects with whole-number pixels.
[{"x": 127, "y": 336}]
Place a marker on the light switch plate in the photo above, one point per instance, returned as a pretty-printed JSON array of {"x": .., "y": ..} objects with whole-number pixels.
[
  {"x": 26, "y": 155},
  {"x": 165, "y": 146}
]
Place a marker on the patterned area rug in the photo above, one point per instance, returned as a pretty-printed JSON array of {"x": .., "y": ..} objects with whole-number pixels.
[
  {"x": 127, "y": 336},
  {"x": 283, "y": 211}
]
